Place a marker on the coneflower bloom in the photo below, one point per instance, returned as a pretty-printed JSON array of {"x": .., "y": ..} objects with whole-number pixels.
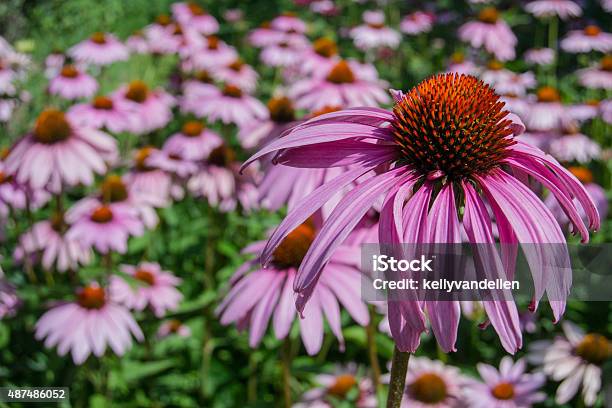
[
  {"x": 104, "y": 112},
  {"x": 281, "y": 117},
  {"x": 173, "y": 326},
  {"x": 449, "y": 133},
  {"x": 324, "y": 7},
  {"x": 574, "y": 146},
  {"x": 99, "y": 49},
  {"x": 432, "y": 384},
  {"x": 194, "y": 141},
  {"x": 195, "y": 17},
  {"x": 71, "y": 83},
  {"x": 87, "y": 325},
  {"x": 460, "y": 65},
  {"x": 198, "y": 84},
  {"x": 155, "y": 288},
  {"x": 237, "y": 73},
  {"x": 214, "y": 53},
  {"x": 265, "y": 35},
  {"x": 507, "y": 82},
  {"x": 137, "y": 43},
  {"x": 174, "y": 162},
  {"x": 491, "y": 33},
  {"x": 337, "y": 386},
  {"x": 105, "y": 227},
  {"x": 346, "y": 84},
  {"x": 265, "y": 294},
  {"x": 546, "y": 112},
  {"x": 575, "y": 359},
  {"x": 146, "y": 179},
  {"x": 289, "y": 23},
  {"x": 160, "y": 36},
  {"x": 320, "y": 58},
  {"x": 57, "y": 251},
  {"x": 591, "y": 38},
  {"x": 58, "y": 153},
  {"x": 17, "y": 196},
  {"x": 563, "y": 9},
  {"x": 584, "y": 111},
  {"x": 151, "y": 108},
  {"x": 598, "y": 77},
  {"x": 228, "y": 104},
  {"x": 374, "y": 33},
  {"x": 9, "y": 300},
  {"x": 508, "y": 387},
  {"x": 285, "y": 53},
  {"x": 417, "y": 23},
  {"x": 540, "y": 56}
]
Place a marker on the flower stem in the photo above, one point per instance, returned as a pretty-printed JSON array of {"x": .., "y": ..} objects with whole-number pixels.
[
  {"x": 287, "y": 371},
  {"x": 372, "y": 350},
  {"x": 399, "y": 367}
]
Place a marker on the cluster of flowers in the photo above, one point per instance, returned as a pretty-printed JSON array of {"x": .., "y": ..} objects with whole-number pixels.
[
  {"x": 13, "y": 67},
  {"x": 348, "y": 172}
]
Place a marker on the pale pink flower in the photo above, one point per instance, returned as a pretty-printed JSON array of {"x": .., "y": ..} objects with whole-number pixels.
[
  {"x": 285, "y": 53},
  {"x": 265, "y": 35},
  {"x": 584, "y": 111},
  {"x": 194, "y": 141},
  {"x": 237, "y": 73},
  {"x": 200, "y": 84},
  {"x": 320, "y": 58},
  {"x": 374, "y": 34},
  {"x": 155, "y": 288},
  {"x": 160, "y": 36},
  {"x": 515, "y": 104},
  {"x": 563, "y": 9},
  {"x": 335, "y": 386},
  {"x": 148, "y": 180},
  {"x": 229, "y": 105},
  {"x": 508, "y": 387},
  {"x": 58, "y": 153},
  {"x": 540, "y": 56},
  {"x": 71, "y": 83},
  {"x": 213, "y": 54},
  {"x": 491, "y": 33},
  {"x": 57, "y": 251},
  {"x": 417, "y": 23},
  {"x": 53, "y": 63},
  {"x": 175, "y": 162},
  {"x": 16, "y": 196},
  {"x": 460, "y": 65},
  {"x": 9, "y": 300},
  {"x": 99, "y": 49},
  {"x": 112, "y": 114},
  {"x": 324, "y": 7},
  {"x": 506, "y": 82},
  {"x": 259, "y": 132},
  {"x": 591, "y": 38},
  {"x": 150, "y": 109},
  {"x": 137, "y": 43},
  {"x": 195, "y": 17},
  {"x": 88, "y": 325},
  {"x": 105, "y": 227},
  {"x": 288, "y": 23},
  {"x": 346, "y": 84},
  {"x": 173, "y": 326},
  {"x": 598, "y": 77},
  {"x": 545, "y": 111},
  {"x": 575, "y": 359},
  {"x": 575, "y": 147},
  {"x": 233, "y": 15}
]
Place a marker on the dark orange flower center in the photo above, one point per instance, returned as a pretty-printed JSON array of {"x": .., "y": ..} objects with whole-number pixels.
[
  {"x": 592, "y": 30},
  {"x": 495, "y": 65},
  {"x": 548, "y": 94},
  {"x": 98, "y": 38},
  {"x": 454, "y": 124},
  {"x": 376, "y": 26},
  {"x": 293, "y": 248},
  {"x": 195, "y": 9},
  {"x": 70, "y": 71},
  {"x": 174, "y": 325},
  {"x": 213, "y": 42},
  {"x": 341, "y": 73},
  {"x": 232, "y": 90},
  {"x": 593, "y": 102},
  {"x": 324, "y": 110},
  {"x": 236, "y": 65},
  {"x": 51, "y": 127},
  {"x": 140, "y": 158},
  {"x": 137, "y": 91},
  {"x": 192, "y": 128},
  {"x": 145, "y": 276},
  {"x": 429, "y": 388},
  {"x": 203, "y": 76},
  {"x": 606, "y": 63},
  {"x": 503, "y": 391},
  {"x": 325, "y": 47},
  {"x": 488, "y": 15},
  {"x": 457, "y": 57},
  {"x": 343, "y": 384},
  {"x": 5, "y": 178},
  {"x": 163, "y": 20},
  {"x": 178, "y": 30},
  {"x": 102, "y": 215},
  {"x": 4, "y": 152},
  {"x": 594, "y": 348},
  {"x": 103, "y": 103},
  {"x": 221, "y": 156},
  {"x": 582, "y": 173},
  {"x": 58, "y": 223},
  {"x": 265, "y": 24},
  {"x": 113, "y": 189},
  {"x": 281, "y": 109},
  {"x": 91, "y": 297}
]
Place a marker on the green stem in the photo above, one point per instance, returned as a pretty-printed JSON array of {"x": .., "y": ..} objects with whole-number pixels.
[
  {"x": 372, "y": 350},
  {"x": 399, "y": 367},
  {"x": 287, "y": 371},
  {"x": 553, "y": 34}
]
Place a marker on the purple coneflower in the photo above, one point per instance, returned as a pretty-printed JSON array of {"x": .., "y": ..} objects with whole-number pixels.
[
  {"x": 546, "y": 112},
  {"x": 58, "y": 153},
  {"x": 88, "y": 325},
  {"x": 194, "y": 141},
  {"x": 598, "y": 77},
  {"x": 147, "y": 179},
  {"x": 289, "y": 23},
  {"x": 374, "y": 33},
  {"x": 259, "y": 132},
  {"x": 320, "y": 58},
  {"x": 214, "y": 53},
  {"x": 173, "y": 326},
  {"x": 71, "y": 83},
  {"x": 449, "y": 135},
  {"x": 155, "y": 288},
  {"x": 195, "y": 17},
  {"x": 510, "y": 387},
  {"x": 563, "y": 9},
  {"x": 490, "y": 32},
  {"x": 286, "y": 53},
  {"x": 265, "y": 294},
  {"x": 99, "y": 49},
  {"x": 540, "y": 56},
  {"x": 575, "y": 359},
  {"x": 103, "y": 112},
  {"x": 151, "y": 109},
  {"x": 591, "y": 38},
  {"x": 460, "y": 65},
  {"x": 574, "y": 146},
  {"x": 237, "y": 73},
  {"x": 417, "y": 23}
]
